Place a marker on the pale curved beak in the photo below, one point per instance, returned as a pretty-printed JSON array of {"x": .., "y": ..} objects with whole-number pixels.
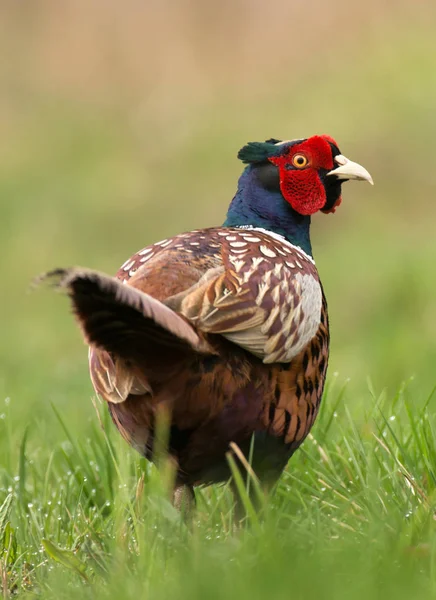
[{"x": 348, "y": 169}]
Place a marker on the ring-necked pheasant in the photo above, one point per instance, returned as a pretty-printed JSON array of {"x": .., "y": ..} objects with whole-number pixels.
[{"x": 224, "y": 328}]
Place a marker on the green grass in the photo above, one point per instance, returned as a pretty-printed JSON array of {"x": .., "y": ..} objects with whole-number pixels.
[
  {"x": 353, "y": 516},
  {"x": 89, "y": 173}
]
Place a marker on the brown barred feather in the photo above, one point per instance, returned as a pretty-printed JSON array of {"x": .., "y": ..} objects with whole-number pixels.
[
  {"x": 225, "y": 330},
  {"x": 118, "y": 317}
]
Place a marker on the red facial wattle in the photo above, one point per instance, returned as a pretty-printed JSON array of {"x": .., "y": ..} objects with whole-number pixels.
[{"x": 303, "y": 188}]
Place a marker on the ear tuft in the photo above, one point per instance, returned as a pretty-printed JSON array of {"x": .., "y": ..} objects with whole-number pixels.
[{"x": 257, "y": 152}]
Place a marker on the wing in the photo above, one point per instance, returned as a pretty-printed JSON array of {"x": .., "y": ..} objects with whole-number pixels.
[
  {"x": 266, "y": 297},
  {"x": 250, "y": 286}
]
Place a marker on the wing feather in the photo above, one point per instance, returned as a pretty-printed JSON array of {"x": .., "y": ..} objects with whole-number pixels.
[
  {"x": 255, "y": 288},
  {"x": 269, "y": 307}
]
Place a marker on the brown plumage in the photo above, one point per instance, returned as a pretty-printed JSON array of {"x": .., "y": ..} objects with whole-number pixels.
[{"x": 225, "y": 330}]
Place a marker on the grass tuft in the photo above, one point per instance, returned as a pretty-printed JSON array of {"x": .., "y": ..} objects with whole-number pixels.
[{"x": 354, "y": 514}]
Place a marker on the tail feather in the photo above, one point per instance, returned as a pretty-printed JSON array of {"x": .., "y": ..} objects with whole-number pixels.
[
  {"x": 115, "y": 380},
  {"x": 123, "y": 320}
]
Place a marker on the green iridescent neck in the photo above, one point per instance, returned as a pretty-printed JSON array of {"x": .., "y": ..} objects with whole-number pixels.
[{"x": 255, "y": 206}]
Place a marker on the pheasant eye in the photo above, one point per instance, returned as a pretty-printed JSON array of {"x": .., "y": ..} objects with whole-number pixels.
[{"x": 299, "y": 161}]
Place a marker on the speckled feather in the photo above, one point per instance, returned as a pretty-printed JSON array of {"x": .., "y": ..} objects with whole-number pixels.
[
  {"x": 264, "y": 355},
  {"x": 256, "y": 289}
]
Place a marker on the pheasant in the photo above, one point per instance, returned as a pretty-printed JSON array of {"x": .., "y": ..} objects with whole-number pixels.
[{"x": 225, "y": 330}]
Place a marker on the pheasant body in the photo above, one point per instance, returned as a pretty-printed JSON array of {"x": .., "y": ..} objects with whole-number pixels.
[
  {"x": 250, "y": 395},
  {"x": 223, "y": 330}
]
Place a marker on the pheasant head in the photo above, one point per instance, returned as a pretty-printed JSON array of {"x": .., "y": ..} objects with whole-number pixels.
[
  {"x": 308, "y": 172},
  {"x": 287, "y": 181}
]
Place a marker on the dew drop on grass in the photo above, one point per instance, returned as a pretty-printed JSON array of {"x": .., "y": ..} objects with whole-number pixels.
[
  {"x": 7, "y": 400},
  {"x": 392, "y": 418}
]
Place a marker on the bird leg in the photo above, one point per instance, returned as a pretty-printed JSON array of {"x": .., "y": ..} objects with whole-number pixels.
[{"x": 184, "y": 499}]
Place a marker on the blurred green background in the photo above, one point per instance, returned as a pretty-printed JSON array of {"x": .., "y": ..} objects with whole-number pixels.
[{"x": 120, "y": 123}]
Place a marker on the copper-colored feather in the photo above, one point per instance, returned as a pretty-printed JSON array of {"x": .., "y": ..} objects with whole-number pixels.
[
  {"x": 224, "y": 329},
  {"x": 119, "y": 317}
]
